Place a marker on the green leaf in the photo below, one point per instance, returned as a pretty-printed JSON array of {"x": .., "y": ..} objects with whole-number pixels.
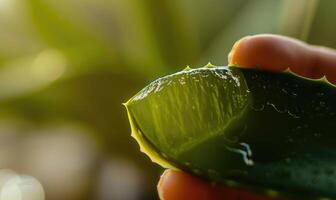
[{"x": 228, "y": 123}]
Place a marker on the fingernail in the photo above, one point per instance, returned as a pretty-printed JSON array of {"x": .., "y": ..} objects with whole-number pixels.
[
  {"x": 231, "y": 61},
  {"x": 161, "y": 182}
]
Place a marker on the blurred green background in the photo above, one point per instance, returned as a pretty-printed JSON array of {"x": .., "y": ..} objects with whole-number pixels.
[{"x": 66, "y": 67}]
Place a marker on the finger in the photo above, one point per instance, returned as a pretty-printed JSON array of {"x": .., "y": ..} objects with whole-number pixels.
[
  {"x": 277, "y": 53},
  {"x": 325, "y": 60},
  {"x": 175, "y": 185}
]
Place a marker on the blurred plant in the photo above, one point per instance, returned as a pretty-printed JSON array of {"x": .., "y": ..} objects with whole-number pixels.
[{"x": 76, "y": 61}]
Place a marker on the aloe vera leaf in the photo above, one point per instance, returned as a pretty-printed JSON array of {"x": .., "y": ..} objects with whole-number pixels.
[{"x": 255, "y": 127}]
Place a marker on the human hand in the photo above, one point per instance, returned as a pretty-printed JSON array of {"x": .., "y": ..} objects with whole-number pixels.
[{"x": 269, "y": 52}]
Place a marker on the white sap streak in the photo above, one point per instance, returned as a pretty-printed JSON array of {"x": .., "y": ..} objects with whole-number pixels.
[{"x": 246, "y": 153}]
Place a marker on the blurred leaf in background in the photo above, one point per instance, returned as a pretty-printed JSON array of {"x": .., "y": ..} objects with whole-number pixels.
[{"x": 67, "y": 65}]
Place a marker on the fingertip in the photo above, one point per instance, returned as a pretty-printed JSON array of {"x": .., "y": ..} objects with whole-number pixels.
[
  {"x": 264, "y": 51},
  {"x": 163, "y": 184},
  {"x": 278, "y": 53},
  {"x": 325, "y": 62},
  {"x": 177, "y": 185},
  {"x": 233, "y": 56}
]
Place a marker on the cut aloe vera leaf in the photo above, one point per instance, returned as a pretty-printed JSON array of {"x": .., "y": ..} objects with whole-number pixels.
[{"x": 227, "y": 123}]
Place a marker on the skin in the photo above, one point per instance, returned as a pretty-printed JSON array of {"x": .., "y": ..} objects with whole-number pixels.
[{"x": 269, "y": 52}]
